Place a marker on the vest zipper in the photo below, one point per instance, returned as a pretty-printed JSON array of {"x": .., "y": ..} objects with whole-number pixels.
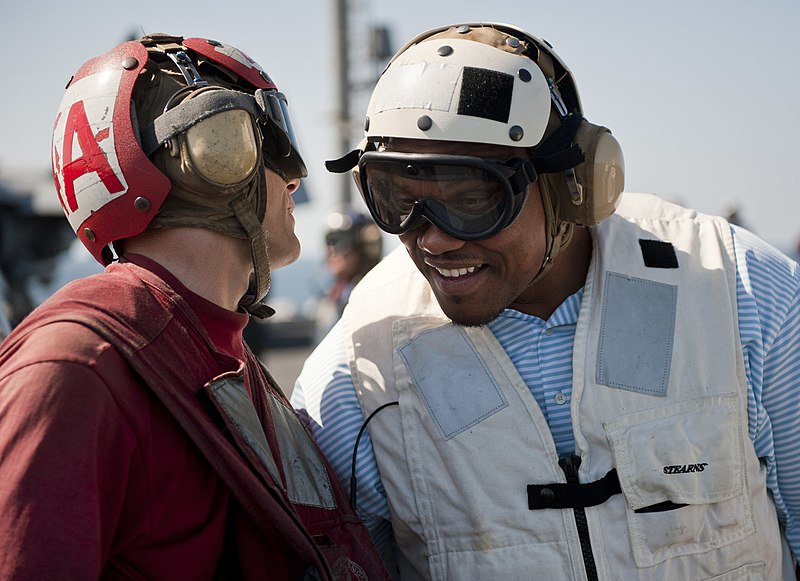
[{"x": 570, "y": 464}]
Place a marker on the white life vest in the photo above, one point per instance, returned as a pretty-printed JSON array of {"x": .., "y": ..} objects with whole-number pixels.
[{"x": 659, "y": 396}]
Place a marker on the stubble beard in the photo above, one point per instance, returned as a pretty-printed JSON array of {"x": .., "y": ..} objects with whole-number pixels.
[{"x": 465, "y": 320}]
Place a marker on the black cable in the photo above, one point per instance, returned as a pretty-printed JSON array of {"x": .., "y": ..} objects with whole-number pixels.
[{"x": 355, "y": 451}]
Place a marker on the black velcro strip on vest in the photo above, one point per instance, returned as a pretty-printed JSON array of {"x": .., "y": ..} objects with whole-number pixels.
[
  {"x": 486, "y": 94},
  {"x": 658, "y": 254},
  {"x": 559, "y": 495}
]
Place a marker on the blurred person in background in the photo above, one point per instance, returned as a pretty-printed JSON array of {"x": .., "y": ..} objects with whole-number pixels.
[
  {"x": 139, "y": 435},
  {"x": 5, "y": 325},
  {"x": 33, "y": 239},
  {"x": 796, "y": 252},
  {"x": 353, "y": 246}
]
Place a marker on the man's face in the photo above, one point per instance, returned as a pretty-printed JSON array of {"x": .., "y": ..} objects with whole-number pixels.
[
  {"x": 342, "y": 262},
  {"x": 284, "y": 247},
  {"x": 473, "y": 281}
]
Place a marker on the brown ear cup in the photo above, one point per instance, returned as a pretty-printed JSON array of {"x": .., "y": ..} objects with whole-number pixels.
[{"x": 601, "y": 177}]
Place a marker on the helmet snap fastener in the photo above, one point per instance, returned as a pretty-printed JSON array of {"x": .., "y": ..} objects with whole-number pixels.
[
  {"x": 424, "y": 123},
  {"x": 516, "y": 133},
  {"x": 130, "y": 63},
  {"x": 89, "y": 234},
  {"x": 524, "y": 75},
  {"x": 444, "y": 50},
  {"x": 463, "y": 29},
  {"x": 141, "y": 204}
]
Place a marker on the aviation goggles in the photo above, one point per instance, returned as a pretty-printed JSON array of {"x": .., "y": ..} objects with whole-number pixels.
[
  {"x": 469, "y": 198},
  {"x": 285, "y": 158}
]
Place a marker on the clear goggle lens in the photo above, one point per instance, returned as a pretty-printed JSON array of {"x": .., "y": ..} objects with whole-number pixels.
[{"x": 467, "y": 197}]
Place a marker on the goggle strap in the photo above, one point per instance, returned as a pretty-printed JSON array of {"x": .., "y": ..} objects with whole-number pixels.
[
  {"x": 559, "y": 162},
  {"x": 558, "y": 152},
  {"x": 525, "y": 175},
  {"x": 191, "y": 111}
]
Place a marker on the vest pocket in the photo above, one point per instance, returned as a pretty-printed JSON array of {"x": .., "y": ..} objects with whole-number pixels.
[
  {"x": 751, "y": 572},
  {"x": 688, "y": 453}
]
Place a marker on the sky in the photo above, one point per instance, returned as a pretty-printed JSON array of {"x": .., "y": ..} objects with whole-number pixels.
[{"x": 701, "y": 94}]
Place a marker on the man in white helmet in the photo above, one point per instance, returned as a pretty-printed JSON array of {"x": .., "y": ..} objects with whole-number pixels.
[
  {"x": 139, "y": 435},
  {"x": 552, "y": 380}
]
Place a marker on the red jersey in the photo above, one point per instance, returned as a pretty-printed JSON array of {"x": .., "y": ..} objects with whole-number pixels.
[{"x": 112, "y": 465}]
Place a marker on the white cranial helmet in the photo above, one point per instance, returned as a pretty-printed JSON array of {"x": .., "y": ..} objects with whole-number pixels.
[
  {"x": 434, "y": 90},
  {"x": 497, "y": 84}
]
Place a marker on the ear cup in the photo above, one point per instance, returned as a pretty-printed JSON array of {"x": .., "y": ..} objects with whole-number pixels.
[
  {"x": 223, "y": 148},
  {"x": 600, "y": 178}
]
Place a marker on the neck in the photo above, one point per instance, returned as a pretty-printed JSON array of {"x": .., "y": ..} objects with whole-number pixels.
[
  {"x": 565, "y": 277},
  {"x": 212, "y": 265}
]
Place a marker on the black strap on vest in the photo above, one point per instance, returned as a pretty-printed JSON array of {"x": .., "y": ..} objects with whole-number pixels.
[{"x": 573, "y": 495}]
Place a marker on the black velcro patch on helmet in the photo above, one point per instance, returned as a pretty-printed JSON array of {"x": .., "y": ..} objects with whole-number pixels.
[
  {"x": 486, "y": 93},
  {"x": 658, "y": 254}
]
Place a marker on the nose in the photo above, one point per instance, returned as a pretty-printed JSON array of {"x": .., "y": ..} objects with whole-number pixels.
[{"x": 434, "y": 241}]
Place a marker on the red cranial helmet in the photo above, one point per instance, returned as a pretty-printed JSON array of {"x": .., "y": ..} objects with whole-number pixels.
[{"x": 165, "y": 132}]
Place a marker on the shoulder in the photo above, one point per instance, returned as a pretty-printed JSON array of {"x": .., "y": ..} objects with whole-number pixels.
[
  {"x": 650, "y": 206},
  {"x": 768, "y": 281},
  {"x": 752, "y": 251},
  {"x": 62, "y": 361},
  {"x": 326, "y": 368},
  {"x": 761, "y": 266}
]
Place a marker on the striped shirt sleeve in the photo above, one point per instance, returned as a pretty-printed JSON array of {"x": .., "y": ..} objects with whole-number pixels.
[{"x": 768, "y": 296}]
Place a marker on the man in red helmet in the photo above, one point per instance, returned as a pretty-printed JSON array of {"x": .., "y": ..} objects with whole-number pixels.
[{"x": 139, "y": 436}]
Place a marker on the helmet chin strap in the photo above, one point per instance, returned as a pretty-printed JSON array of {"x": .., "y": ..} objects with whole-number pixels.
[
  {"x": 558, "y": 234},
  {"x": 260, "y": 280}
]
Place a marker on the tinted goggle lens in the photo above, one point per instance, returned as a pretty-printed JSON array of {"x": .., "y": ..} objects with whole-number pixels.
[
  {"x": 466, "y": 197},
  {"x": 284, "y": 153}
]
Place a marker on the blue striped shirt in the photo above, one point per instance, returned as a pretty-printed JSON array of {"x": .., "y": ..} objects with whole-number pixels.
[{"x": 768, "y": 298}]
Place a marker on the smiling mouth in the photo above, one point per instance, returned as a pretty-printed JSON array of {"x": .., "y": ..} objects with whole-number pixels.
[{"x": 455, "y": 272}]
